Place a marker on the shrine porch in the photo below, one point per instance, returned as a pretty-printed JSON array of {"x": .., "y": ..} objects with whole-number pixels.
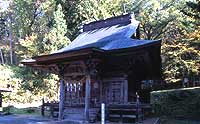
[{"x": 129, "y": 112}]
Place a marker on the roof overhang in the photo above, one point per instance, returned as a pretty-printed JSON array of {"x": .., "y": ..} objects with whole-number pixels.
[
  {"x": 62, "y": 57},
  {"x": 79, "y": 54}
]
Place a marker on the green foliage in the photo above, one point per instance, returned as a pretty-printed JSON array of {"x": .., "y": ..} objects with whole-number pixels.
[
  {"x": 192, "y": 9},
  {"x": 22, "y": 81},
  {"x": 38, "y": 28},
  {"x": 37, "y": 82},
  {"x": 79, "y": 12},
  {"x": 6, "y": 80},
  {"x": 7, "y": 110},
  {"x": 32, "y": 80},
  {"x": 156, "y": 16},
  {"x": 177, "y": 103},
  {"x": 29, "y": 46},
  {"x": 181, "y": 60},
  {"x": 181, "y": 56},
  {"x": 56, "y": 38}
]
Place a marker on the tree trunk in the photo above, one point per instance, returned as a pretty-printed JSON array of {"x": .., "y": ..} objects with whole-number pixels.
[
  {"x": 10, "y": 40},
  {"x": 2, "y": 58},
  {"x": 11, "y": 47}
]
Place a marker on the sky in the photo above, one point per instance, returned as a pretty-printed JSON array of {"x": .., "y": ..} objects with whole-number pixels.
[{"x": 4, "y": 4}]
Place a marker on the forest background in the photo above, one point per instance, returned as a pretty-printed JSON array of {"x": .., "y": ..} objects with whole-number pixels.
[{"x": 36, "y": 27}]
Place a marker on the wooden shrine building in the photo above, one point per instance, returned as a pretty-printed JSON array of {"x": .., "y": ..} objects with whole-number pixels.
[{"x": 106, "y": 63}]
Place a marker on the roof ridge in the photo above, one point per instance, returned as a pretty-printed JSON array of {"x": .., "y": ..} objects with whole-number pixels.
[{"x": 122, "y": 19}]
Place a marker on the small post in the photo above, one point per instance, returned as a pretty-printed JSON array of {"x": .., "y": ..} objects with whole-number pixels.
[
  {"x": 103, "y": 113},
  {"x": 138, "y": 107},
  {"x": 42, "y": 109},
  {"x": 185, "y": 82}
]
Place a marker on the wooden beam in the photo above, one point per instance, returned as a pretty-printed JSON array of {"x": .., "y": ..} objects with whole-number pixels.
[
  {"x": 87, "y": 97},
  {"x": 62, "y": 99},
  {"x": 73, "y": 74}
]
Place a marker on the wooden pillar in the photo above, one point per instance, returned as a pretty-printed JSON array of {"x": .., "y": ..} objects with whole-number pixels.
[
  {"x": 42, "y": 109},
  {"x": 62, "y": 99},
  {"x": 87, "y": 97},
  {"x": 1, "y": 99},
  {"x": 101, "y": 90},
  {"x": 1, "y": 108},
  {"x": 52, "y": 109},
  {"x": 122, "y": 92},
  {"x": 125, "y": 91}
]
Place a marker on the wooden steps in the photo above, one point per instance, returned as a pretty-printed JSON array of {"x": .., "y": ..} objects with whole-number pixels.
[
  {"x": 94, "y": 114},
  {"x": 121, "y": 115},
  {"x": 114, "y": 113},
  {"x": 124, "y": 113},
  {"x": 74, "y": 113},
  {"x": 78, "y": 114}
]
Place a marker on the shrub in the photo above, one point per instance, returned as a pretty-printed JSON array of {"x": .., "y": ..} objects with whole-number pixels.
[
  {"x": 7, "y": 110},
  {"x": 31, "y": 110},
  {"x": 183, "y": 102}
]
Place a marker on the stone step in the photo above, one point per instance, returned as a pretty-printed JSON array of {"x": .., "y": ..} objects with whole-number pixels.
[{"x": 93, "y": 114}]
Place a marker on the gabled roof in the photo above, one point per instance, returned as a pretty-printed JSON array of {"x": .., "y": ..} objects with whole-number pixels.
[{"x": 111, "y": 34}]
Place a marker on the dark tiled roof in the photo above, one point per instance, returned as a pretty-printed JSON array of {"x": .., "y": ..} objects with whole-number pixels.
[{"x": 108, "y": 36}]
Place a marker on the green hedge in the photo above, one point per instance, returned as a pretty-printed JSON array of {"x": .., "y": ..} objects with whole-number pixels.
[{"x": 183, "y": 102}]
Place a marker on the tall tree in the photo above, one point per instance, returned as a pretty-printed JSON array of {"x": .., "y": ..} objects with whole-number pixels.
[
  {"x": 181, "y": 54},
  {"x": 57, "y": 38},
  {"x": 32, "y": 20},
  {"x": 79, "y": 12},
  {"x": 192, "y": 9},
  {"x": 2, "y": 36}
]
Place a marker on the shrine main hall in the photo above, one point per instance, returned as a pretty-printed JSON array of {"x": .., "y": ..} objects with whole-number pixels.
[{"x": 106, "y": 63}]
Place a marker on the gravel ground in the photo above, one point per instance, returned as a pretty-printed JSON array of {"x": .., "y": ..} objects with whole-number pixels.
[
  {"x": 35, "y": 119},
  {"x": 22, "y": 119}
]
